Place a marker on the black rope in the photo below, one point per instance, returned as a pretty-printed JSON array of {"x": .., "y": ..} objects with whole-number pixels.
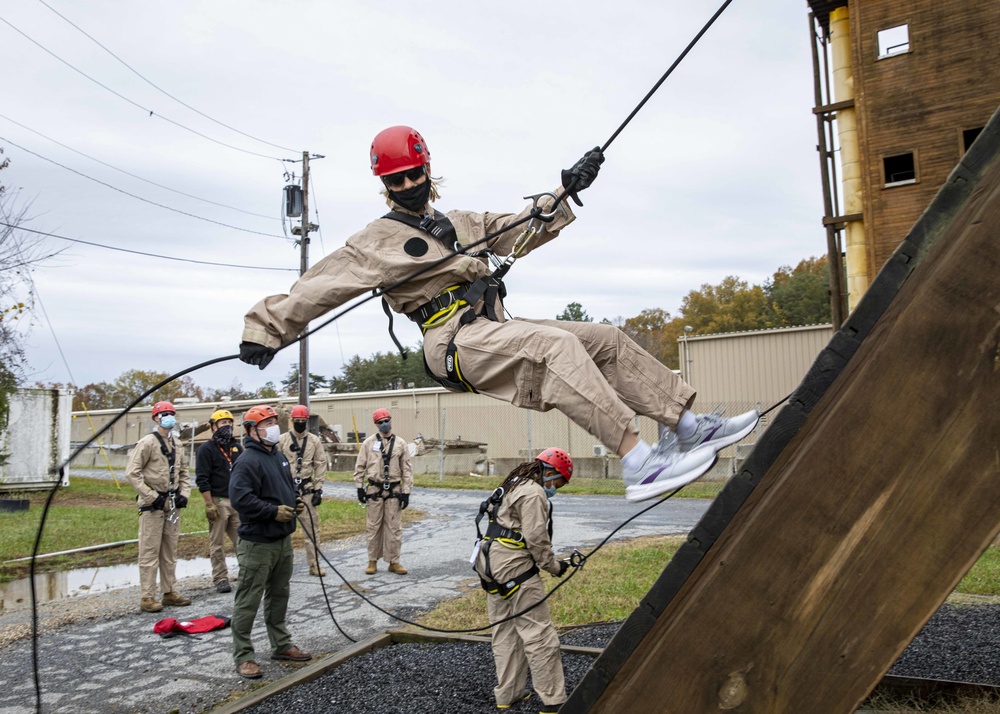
[
  {"x": 309, "y": 536},
  {"x": 549, "y": 594},
  {"x": 534, "y": 213}
]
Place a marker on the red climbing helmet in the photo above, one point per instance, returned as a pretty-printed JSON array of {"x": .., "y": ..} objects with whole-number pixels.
[
  {"x": 255, "y": 415},
  {"x": 559, "y": 460},
  {"x": 161, "y": 407},
  {"x": 381, "y": 414},
  {"x": 300, "y": 412},
  {"x": 396, "y": 149}
]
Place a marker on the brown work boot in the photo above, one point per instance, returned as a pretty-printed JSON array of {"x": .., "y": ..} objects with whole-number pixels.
[
  {"x": 397, "y": 569},
  {"x": 249, "y": 670},
  {"x": 370, "y": 570},
  {"x": 173, "y": 598},
  {"x": 149, "y": 604},
  {"x": 293, "y": 653},
  {"x": 317, "y": 571}
]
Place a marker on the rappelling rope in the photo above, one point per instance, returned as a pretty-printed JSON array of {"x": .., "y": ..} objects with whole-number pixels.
[{"x": 536, "y": 212}]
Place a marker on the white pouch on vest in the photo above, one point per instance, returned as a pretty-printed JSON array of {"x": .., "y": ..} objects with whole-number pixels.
[{"x": 475, "y": 552}]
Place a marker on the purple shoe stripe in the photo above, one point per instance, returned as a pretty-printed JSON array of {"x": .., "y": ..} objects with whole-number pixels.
[
  {"x": 710, "y": 434},
  {"x": 652, "y": 476}
]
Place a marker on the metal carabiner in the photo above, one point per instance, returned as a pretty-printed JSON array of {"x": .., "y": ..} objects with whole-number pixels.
[
  {"x": 546, "y": 217},
  {"x": 576, "y": 559}
]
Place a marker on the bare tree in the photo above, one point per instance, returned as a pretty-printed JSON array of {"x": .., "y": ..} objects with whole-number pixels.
[{"x": 19, "y": 252}]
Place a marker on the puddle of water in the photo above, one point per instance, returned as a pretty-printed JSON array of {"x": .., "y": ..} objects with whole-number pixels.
[{"x": 60, "y": 585}]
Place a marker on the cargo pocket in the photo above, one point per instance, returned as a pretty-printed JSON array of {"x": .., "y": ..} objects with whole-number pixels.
[{"x": 529, "y": 385}]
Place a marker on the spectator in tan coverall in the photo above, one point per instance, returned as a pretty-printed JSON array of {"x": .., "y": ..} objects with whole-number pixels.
[
  {"x": 307, "y": 457},
  {"x": 591, "y": 372},
  {"x": 516, "y": 545},
  {"x": 383, "y": 475},
  {"x": 158, "y": 471}
]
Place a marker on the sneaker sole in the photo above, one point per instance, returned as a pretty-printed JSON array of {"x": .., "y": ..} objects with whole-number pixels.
[
  {"x": 658, "y": 488},
  {"x": 719, "y": 444}
]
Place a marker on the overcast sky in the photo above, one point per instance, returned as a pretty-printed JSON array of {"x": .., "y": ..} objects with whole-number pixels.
[{"x": 717, "y": 175}]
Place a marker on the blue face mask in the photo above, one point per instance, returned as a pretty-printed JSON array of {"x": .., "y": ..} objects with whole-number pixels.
[
  {"x": 550, "y": 491},
  {"x": 168, "y": 421}
]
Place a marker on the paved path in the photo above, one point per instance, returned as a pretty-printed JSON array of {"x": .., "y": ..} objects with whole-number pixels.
[{"x": 110, "y": 660}]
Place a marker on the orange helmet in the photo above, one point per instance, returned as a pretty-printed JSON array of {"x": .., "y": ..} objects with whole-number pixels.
[
  {"x": 255, "y": 415},
  {"x": 396, "y": 149},
  {"x": 559, "y": 460},
  {"x": 381, "y": 414},
  {"x": 161, "y": 407},
  {"x": 300, "y": 412}
]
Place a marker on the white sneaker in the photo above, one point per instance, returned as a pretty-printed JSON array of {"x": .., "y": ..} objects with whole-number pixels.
[
  {"x": 665, "y": 469},
  {"x": 714, "y": 432}
]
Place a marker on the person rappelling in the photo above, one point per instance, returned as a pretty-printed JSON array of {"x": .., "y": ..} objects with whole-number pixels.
[{"x": 593, "y": 373}]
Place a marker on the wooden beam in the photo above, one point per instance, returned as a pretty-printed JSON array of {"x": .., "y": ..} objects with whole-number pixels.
[{"x": 861, "y": 508}]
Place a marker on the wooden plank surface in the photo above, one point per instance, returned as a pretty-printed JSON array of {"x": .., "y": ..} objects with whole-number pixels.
[{"x": 865, "y": 521}]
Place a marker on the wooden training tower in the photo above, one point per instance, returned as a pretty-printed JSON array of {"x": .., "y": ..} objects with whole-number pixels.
[{"x": 873, "y": 492}]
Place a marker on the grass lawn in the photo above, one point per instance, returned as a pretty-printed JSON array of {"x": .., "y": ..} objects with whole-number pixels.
[{"x": 93, "y": 511}]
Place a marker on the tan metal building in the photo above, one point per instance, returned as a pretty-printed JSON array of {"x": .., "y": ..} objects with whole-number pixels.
[{"x": 736, "y": 371}]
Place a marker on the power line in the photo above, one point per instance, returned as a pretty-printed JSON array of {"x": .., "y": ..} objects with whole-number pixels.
[
  {"x": 110, "y": 166},
  {"x": 138, "y": 198},
  {"x": 148, "y": 255},
  {"x": 136, "y": 104},
  {"x": 249, "y": 136}
]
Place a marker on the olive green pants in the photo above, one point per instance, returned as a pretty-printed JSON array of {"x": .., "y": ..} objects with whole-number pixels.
[{"x": 265, "y": 572}]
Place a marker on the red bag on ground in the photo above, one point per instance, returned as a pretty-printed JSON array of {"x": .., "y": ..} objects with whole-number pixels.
[{"x": 170, "y": 627}]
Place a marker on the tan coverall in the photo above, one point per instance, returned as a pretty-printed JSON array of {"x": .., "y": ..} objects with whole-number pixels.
[
  {"x": 592, "y": 373},
  {"x": 148, "y": 470},
  {"x": 531, "y": 640},
  {"x": 385, "y": 517},
  {"x": 309, "y": 464}
]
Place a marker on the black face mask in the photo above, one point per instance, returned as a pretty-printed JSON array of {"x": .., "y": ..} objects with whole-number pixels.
[
  {"x": 224, "y": 434},
  {"x": 299, "y": 426},
  {"x": 415, "y": 198}
]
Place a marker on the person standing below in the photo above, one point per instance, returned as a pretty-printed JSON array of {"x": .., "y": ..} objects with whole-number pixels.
[
  {"x": 517, "y": 543},
  {"x": 213, "y": 464},
  {"x": 383, "y": 474},
  {"x": 307, "y": 456},
  {"x": 158, "y": 472},
  {"x": 262, "y": 492}
]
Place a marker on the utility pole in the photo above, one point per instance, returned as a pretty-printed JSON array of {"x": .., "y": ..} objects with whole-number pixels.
[
  {"x": 303, "y": 267},
  {"x": 302, "y": 231}
]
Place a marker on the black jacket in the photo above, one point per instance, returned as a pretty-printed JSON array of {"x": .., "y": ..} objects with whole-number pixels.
[
  {"x": 261, "y": 481},
  {"x": 212, "y": 468}
]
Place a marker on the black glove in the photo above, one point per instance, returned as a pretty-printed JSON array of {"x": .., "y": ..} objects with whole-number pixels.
[
  {"x": 317, "y": 498},
  {"x": 362, "y": 496},
  {"x": 180, "y": 501},
  {"x": 580, "y": 176},
  {"x": 404, "y": 501},
  {"x": 159, "y": 503},
  {"x": 563, "y": 566},
  {"x": 252, "y": 353}
]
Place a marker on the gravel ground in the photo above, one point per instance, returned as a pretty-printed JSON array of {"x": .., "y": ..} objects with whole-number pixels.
[{"x": 960, "y": 643}]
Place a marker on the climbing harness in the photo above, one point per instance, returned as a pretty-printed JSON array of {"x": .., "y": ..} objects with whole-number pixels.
[
  {"x": 385, "y": 486},
  {"x": 170, "y": 507},
  {"x": 506, "y": 537},
  {"x": 299, "y": 452}
]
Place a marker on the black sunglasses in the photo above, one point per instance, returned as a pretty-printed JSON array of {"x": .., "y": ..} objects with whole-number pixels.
[
  {"x": 383, "y": 421},
  {"x": 396, "y": 180}
]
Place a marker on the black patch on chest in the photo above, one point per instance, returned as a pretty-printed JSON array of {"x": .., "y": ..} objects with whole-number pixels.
[{"x": 416, "y": 247}]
